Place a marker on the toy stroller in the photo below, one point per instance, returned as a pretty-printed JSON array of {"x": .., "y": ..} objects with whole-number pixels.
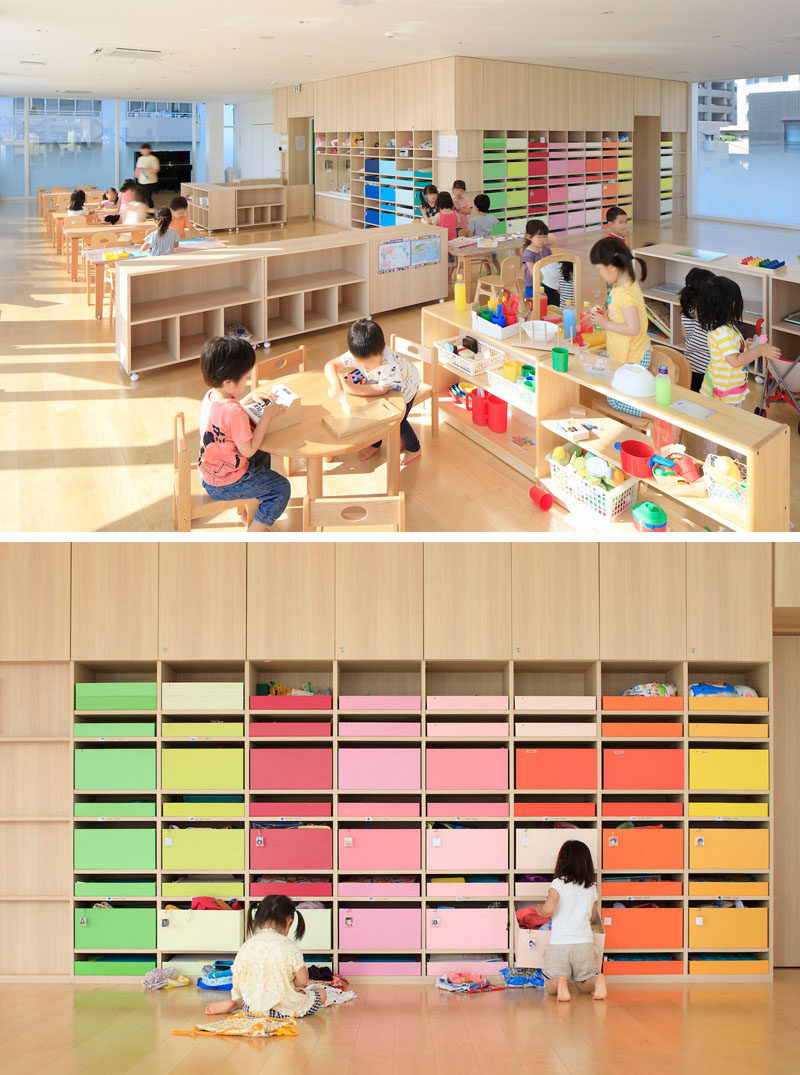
[{"x": 775, "y": 388}]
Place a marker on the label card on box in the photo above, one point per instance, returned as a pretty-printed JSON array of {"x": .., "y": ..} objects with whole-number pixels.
[
  {"x": 699, "y": 920},
  {"x": 167, "y": 841},
  {"x": 437, "y": 841}
]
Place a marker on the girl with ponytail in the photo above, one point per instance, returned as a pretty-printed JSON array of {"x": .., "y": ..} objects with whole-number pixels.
[{"x": 163, "y": 240}]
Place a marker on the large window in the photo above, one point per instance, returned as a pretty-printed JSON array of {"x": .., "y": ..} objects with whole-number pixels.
[
  {"x": 747, "y": 149},
  {"x": 12, "y": 147},
  {"x": 167, "y": 126},
  {"x": 71, "y": 141}
]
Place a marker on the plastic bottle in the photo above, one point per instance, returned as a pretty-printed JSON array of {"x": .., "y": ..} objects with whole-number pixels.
[
  {"x": 586, "y": 318},
  {"x": 569, "y": 321},
  {"x": 663, "y": 386},
  {"x": 542, "y": 303},
  {"x": 460, "y": 293}
]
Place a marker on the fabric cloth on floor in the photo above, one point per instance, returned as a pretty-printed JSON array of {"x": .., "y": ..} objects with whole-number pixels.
[{"x": 240, "y": 1025}]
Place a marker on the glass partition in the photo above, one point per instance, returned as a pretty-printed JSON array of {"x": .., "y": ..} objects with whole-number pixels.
[{"x": 12, "y": 147}]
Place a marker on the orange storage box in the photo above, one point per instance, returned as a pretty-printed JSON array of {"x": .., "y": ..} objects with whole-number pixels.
[
  {"x": 728, "y": 849},
  {"x": 642, "y": 768},
  {"x": 639, "y": 808},
  {"x": 728, "y": 927},
  {"x": 643, "y": 849},
  {"x": 640, "y": 890},
  {"x": 551, "y": 768},
  {"x": 643, "y": 927},
  {"x": 620, "y": 729},
  {"x": 728, "y": 966},
  {"x": 641, "y": 704},
  {"x": 550, "y": 809},
  {"x": 642, "y": 966},
  {"x": 721, "y": 703},
  {"x": 720, "y": 889}
]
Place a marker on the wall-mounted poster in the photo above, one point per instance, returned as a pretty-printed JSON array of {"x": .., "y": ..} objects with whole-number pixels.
[
  {"x": 425, "y": 251},
  {"x": 393, "y": 255}
]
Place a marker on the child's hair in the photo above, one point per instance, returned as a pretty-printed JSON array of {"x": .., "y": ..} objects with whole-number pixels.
[
  {"x": 535, "y": 227},
  {"x": 566, "y": 268},
  {"x": 137, "y": 194},
  {"x": 614, "y": 252},
  {"x": 482, "y": 203},
  {"x": 145, "y": 145},
  {"x": 128, "y": 184},
  {"x": 113, "y": 190},
  {"x": 365, "y": 339},
  {"x": 77, "y": 199},
  {"x": 423, "y": 194},
  {"x": 719, "y": 302},
  {"x": 459, "y": 184},
  {"x": 574, "y": 864},
  {"x": 226, "y": 358},
  {"x": 178, "y": 203},
  {"x": 444, "y": 201},
  {"x": 695, "y": 279},
  {"x": 274, "y": 911},
  {"x": 163, "y": 219},
  {"x": 614, "y": 213}
]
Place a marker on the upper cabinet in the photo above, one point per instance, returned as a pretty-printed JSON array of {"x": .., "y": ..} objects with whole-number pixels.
[
  {"x": 674, "y": 106},
  {"x": 619, "y": 99},
  {"x": 467, "y": 601},
  {"x": 301, "y": 104},
  {"x": 379, "y": 100},
  {"x": 201, "y": 614},
  {"x": 115, "y": 601},
  {"x": 518, "y": 104},
  {"x": 642, "y": 601},
  {"x": 443, "y": 94},
  {"x": 558, "y": 99},
  {"x": 280, "y": 110},
  {"x": 290, "y": 600},
  {"x": 787, "y": 574},
  {"x": 469, "y": 94},
  {"x": 35, "y": 589},
  {"x": 326, "y": 104},
  {"x": 412, "y": 97},
  {"x": 554, "y": 601},
  {"x": 729, "y": 600},
  {"x": 538, "y": 97},
  {"x": 647, "y": 96},
  {"x": 378, "y": 588}
]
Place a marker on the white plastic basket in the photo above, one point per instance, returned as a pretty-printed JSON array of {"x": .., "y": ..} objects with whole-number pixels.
[
  {"x": 721, "y": 488},
  {"x": 608, "y": 505},
  {"x": 487, "y": 357},
  {"x": 480, "y": 324},
  {"x": 511, "y": 392}
]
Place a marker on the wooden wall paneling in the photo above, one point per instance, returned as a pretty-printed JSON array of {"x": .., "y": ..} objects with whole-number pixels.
[
  {"x": 642, "y": 601},
  {"x": 558, "y": 97},
  {"x": 538, "y": 97},
  {"x": 280, "y": 110},
  {"x": 412, "y": 94},
  {"x": 518, "y": 102},
  {"x": 620, "y": 100},
  {"x": 37, "y": 780},
  {"x": 787, "y": 574},
  {"x": 350, "y": 103},
  {"x": 379, "y": 100},
  {"x": 115, "y": 600},
  {"x": 290, "y": 600},
  {"x": 786, "y": 761},
  {"x": 34, "y": 584},
  {"x": 202, "y": 609},
  {"x": 550, "y": 581},
  {"x": 379, "y": 611},
  {"x": 41, "y": 856},
  {"x": 469, "y": 112},
  {"x": 467, "y": 601},
  {"x": 647, "y": 96},
  {"x": 647, "y": 167},
  {"x": 35, "y": 938},
  {"x": 34, "y": 700},
  {"x": 729, "y": 601},
  {"x": 301, "y": 105},
  {"x": 495, "y": 102},
  {"x": 674, "y": 106},
  {"x": 443, "y": 94},
  {"x": 325, "y": 105}
]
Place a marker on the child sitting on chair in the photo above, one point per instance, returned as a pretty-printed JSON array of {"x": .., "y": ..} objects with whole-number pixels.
[
  {"x": 370, "y": 368},
  {"x": 180, "y": 221}
]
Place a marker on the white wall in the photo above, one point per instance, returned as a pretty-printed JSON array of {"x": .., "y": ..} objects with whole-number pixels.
[
  {"x": 256, "y": 143},
  {"x": 215, "y": 149}
]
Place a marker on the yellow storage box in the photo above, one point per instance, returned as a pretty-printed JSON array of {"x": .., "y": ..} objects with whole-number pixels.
[
  {"x": 729, "y": 849},
  {"x": 207, "y": 729},
  {"x": 732, "y": 770},
  {"x": 730, "y": 889},
  {"x": 745, "y": 730},
  {"x": 200, "y": 931},
  {"x": 202, "y": 850},
  {"x": 728, "y": 966},
  {"x": 721, "y": 703},
  {"x": 201, "y": 810},
  {"x": 728, "y": 927},
  {"x": 218, "y": 888},
  {"x": 318, "y": 936},
  {"x": 202, "y": 768},
  {"x": 728, "y": 809}
]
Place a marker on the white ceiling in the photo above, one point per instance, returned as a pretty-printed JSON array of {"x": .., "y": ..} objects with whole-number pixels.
[{"x": 217, "y": 51}]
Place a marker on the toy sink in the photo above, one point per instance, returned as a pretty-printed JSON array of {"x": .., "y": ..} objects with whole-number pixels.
[{"x": 634, "y": 380}]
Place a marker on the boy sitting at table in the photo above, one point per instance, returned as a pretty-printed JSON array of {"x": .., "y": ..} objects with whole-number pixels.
[{"x": 370, "y": 368}]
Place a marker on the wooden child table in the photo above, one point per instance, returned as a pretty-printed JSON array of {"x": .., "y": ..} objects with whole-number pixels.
[{"x": 465, "y": 255}]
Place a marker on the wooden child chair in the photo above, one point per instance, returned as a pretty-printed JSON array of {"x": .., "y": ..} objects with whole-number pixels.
[
  {"x": 509, "y": 279},
  {"x": 420, "y": 357},
  {"x": 270, "y": 368},
  {"x": 105, "y": 242},
  {"x": 384, "y": 513},
  {"x": 189, "y": 499},
  {"x": 555, "y": 259},
  {"x": 676, "y": 362}
]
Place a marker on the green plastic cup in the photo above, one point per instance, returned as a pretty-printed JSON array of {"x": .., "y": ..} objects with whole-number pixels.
[{"x": 560, "y": 359}]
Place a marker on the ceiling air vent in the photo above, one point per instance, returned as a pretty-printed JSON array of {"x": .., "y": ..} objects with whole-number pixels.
[{"x": 127, "y": 54}]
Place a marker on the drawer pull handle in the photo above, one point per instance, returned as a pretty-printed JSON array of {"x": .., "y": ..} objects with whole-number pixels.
[{"x": 259, "y": 841}]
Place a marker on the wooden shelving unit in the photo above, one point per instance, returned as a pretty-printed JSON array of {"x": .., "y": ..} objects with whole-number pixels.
[{"x": 230, "y": 206}]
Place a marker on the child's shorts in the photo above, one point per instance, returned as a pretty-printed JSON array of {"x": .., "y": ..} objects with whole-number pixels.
[
  {"x": 575, "y": 961},
  {"x": 529, "y": 291}
]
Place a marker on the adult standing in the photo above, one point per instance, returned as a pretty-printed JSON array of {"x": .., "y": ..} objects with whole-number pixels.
[{"x": 146, "y": 173}]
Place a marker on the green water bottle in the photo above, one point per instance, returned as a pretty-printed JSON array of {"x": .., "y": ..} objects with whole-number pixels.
[{"x": 663, "y": 386}]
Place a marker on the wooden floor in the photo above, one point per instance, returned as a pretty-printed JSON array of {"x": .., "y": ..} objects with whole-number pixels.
[
  {"x": 85, "y": 450},
  {"x": 415, "y": 1030}
]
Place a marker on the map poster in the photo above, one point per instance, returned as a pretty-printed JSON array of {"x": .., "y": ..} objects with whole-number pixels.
[{"x": 393, "y": 255}]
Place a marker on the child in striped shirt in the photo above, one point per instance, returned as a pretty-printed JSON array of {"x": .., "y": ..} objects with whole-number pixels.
[
  {"x": 163, "y": 240},
  {"x": 696, "y": 349}
]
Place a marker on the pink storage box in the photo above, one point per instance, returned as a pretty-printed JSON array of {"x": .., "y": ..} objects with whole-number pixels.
[
  {"x": 291, "y": 701},
  {"x": 556, "y": 221},
  {"x": 394, "y": 728},
  {"x": 381, "y": 808},
  {"x": 487, "y": 967},
  {"x": 291, "y": 849},
  {"x": 498, "y": 729},
  {"x": 306, "y": 889},
  {"x": 530, "y": 946},
  {"x": 532, "y": 890},
  {"x": 575, "y": 166},
  {"x": 291, "y": 767},
  {"x": 467, "y": 703},
  {"x": 554, "y": 702},
  {"x": 365, "y": 889},
  {"x": 384, "y": 768},
  {"x": 558, "y": 167},
  {"x": 476, "y": 769},
  {"x": 575, "y": 220},
  {"x": 290, "y": 809},
  {"x": 556, "y": 194},
  {"x": 368, "y": 703},
  {"x": 380, "y": 929},
  {"x": 455, "y": 809},
  {"x": 405, "y": 968},
  {"x": 295, "y": 729},
  {"x": 398, "y": 850},
  {"x": 453, "y": 929},
  {"x": 459, "y": 890},
  {"x": 537, "y": 849},
  {"x": 466, "y": 849}
]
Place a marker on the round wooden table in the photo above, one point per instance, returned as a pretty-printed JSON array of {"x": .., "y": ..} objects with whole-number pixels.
[{"x": 310, "y": 438}]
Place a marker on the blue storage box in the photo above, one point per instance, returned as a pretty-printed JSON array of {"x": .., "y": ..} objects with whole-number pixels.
[
  {"x": 371, "y": 216},
  {"x": 388, "y": 194},
  {"x": 405, "y": 195},
  {"x": 387, "y": 167},
  {"x": 387, "y": 218},
  {"x": 371, "y": 190},
  {"x": 371, "y": 167}
]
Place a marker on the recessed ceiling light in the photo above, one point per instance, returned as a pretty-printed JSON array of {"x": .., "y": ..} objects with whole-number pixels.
[
  {"x": 356, "y": 3},
  {"x": 389, "y": 33},
  {"x": 266, "y": 37},
  {"x": 606, "y": 12}
]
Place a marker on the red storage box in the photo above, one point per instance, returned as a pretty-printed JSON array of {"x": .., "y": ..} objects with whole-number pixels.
[
  {"x": 291, "y": 767},
  {"x": 295, "y": 729},
  {"x": 304, "y": 889},
  {"x": 642, "y": 769},
  {"x": 473, "y": 769},
  {"x": 655, "y": 928},
  {"x": 643, "y": 849},
  {"x": 291, "y": 849},
  {"x": 642, "y": 966},
  {"x": 635, "y": 703},
  {"x": 547, "y": 809},
  {"x": 621, "y": 729},
  {"x": 291, "y": 701},
  {"x": 551, "y": 768},
  {"x": 537, "y": 167},
  {"x": 630, "y": 810},
  {"x": 290, "y": 809},
  {"x": 640, "y": 890}
]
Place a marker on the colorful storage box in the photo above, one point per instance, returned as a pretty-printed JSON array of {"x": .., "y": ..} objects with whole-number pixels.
[
  {"x": 635, "y": 703},
  {"x": 547, "y": 810},
  {"x": 532, "y": 890},
  {"x": 201, "y": 696},
  {"x": 108, "y": 808},
  {"x": 209, "y": 808},
  {"x": 114, "y": 730},
  {"x": 728, "y": 927},
  {"x": 113, "y": 966},
  {"x": 546, "y": 703},
  {"x": 468, "y": 768},
  {"x": 294, "y": 729},
  {"x": 373, "y": 808},
  {"x": 374, "y": 729},
  {"x": 717, "y": 809},
  {"x": 202, "y": 768},
  {"x": 201, "y": 849},
  {"x": 451, "y": 929},
  {"x": 733, "y": 770},
  {"x": 299, "y": 768},
  {"x": 380, "y": 849},
  {"x": 94, "y": 696},
  {"x": 728, "y": 849},
  {"x": 318, "y": 936},
  {"x": 294, "y": 889},
  {"x": 291, "y": 849},
  {"x": 375, "y": 703},
  {"x": 639, "y": 889},
  {"x": 717, "y": 888},
  {"x": 200, "y": 931},
  {"x": 111, "y": 888},
  {"x": 115, "y": 927},
  {"x": 459, "y": 729},
  {"x": 115, "y": 768},
  {"x": 107, "y": 848},
  {"x": 467, "y": 703},
  {"x": 474, "y": 888},
  {"x": 639, "y": 729},
  {"x": 720, "y": 703},
  {"x": 305, "y": 702},
  {"x": 553, "y": 768},
  {"x": 489, "y": 968},
  {"x": 643, "y": 849},
  {"x": 642, "y": 808},
  {"x": 458, "y": 809},
  {"x": 643, "y": 769},
  {"x": 381, "y": 768},
  {"x": 388, "y": 967},
  {"x": 367, "y": 889},
  {"x": 743, "y": 730},
  {"x": 556, "y": 729},
  {"x": 379, "y": 929},
  {"x": 207, "y": 729},
  {"x": 728, "y": 965},
  {"x": 643, "y": 927},
  {"x": 216, "y": 887},
  {"x": 282, "y": 809},
  {"x": 644, "y": 967},
  {"x": 537, "y": 849},
  {"x": 466, "y": 849},
  {"x": 530, "y": 946}
]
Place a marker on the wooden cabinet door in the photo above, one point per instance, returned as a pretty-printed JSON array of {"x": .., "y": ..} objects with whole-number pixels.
[
  {"x": 115, "y": 601},
  {"x": 674, "y": 106},
  {"x": 34, "y": 583},
  {"x": 786, "y": 755},
  {"x": 467, "y": 601},
  {"x": 494, "y": 95},
  {"x": 325, "y": 105},
  {"x": 280, "y": 111},
  {"x": 558, "y": 94},
  {"x": 301, "y": 104},
  {"x": 729, "y": 601},
  {"x": 538, "y": 97},
  {"x": 787, "y": 574},
  {"x": 379, "y": 99},
  {"x": 647, "y": 96},
  {"x": 35, "y": 701},
  {"x": 290, "y": 600},
  {"x": 412, "y": 94},
  {"x": 201, "y": 607},
  {"x": 378, "y": 600},
  {"x": 517, "y": 107},
  {"x": 469, "y": 110},
  {"x": 642, "y": 601},
  {"x": 554, "y": 601}
]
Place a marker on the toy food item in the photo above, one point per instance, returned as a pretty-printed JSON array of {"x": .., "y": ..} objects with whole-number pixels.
[
  {"x": 725, "y": 467},
  {"x": 617, "y": 476},
  {"x": 560, "y": 455}
]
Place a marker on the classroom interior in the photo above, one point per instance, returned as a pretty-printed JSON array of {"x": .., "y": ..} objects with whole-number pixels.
[
  {"x": 304, "y": 183},
  {"x": 450, "y": 738}
]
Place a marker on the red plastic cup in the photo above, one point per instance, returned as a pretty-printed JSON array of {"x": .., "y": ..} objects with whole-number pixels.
[{"x": 541, "y": 498}]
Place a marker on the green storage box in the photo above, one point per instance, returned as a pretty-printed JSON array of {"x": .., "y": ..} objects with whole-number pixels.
[
  {"x": 499, "y": 228},
  {"x": 116, "y": 695},
  {"x": 517, "y": 170},
  {"x": 497, "y": 199},
  {"x": 113, "y": 966},
  {"x": 115, "y": 927},
  {"x": 184, "y": 890},
  {"x": 207, "y": 729},
  {"x": 494, "y": 143},
  {"x": 202, "y": 849},
  {"x": 109, "y": 730},
  {"x": 118, "y": 768},
  {"x": 495, "y": 170},
  {"x": 112, "y": 888},
  {"x": 202, "y": 768},
  {"x": 118, "y": 809},
  {"x": 110, "y": 848}
]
